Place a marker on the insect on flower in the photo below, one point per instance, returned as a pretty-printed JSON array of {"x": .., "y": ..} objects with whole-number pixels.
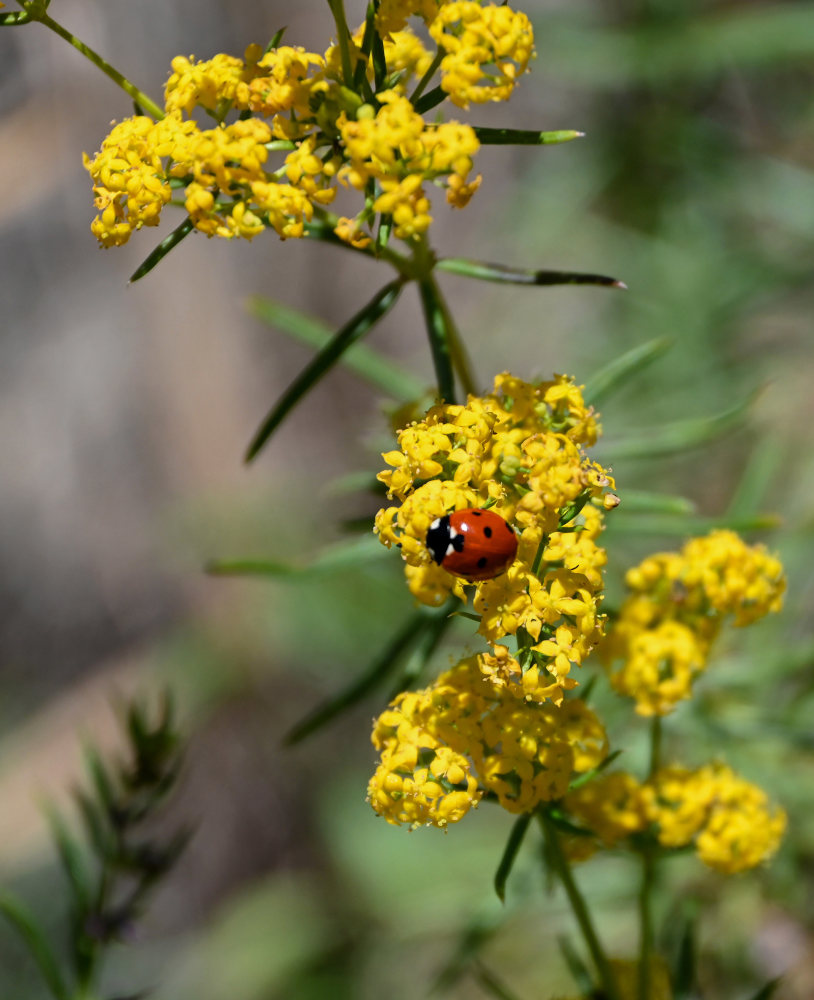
[{"x": 474, "y": 544}]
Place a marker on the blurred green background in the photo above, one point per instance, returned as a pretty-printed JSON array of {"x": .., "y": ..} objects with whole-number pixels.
[{"x": 127, "y": 410}]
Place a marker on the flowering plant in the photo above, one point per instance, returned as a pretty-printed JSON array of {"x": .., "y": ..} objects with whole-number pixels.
[{"x": 286, "y": 134}]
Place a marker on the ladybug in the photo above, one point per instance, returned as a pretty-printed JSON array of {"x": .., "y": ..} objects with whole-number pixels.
[{"x": 475, "y": 544}]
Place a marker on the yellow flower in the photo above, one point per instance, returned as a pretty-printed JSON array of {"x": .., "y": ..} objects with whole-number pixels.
[
  {"x": 487, "y": 48},
  {"x": 733, "y": 825},
  {"x": 465, "y": 735},
  {"x": 679, "y": 603},
  {"x": 659, "y": 666},
  {"x": 611, "y": 806}
]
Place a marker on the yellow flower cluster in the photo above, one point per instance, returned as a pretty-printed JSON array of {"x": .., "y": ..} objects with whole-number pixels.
[
  {"x": 400, "y": 152},
  {"x": 487, "y": 49},
  {"x": 518, "y": 450},
  {"x": 288, "y": 98},
  {"x": 661, "y": 641},
  {"x": 730, "y": 820},
  {"x": 444, "y": 747}
]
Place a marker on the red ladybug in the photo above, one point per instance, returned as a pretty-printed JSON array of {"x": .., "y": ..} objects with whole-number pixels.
[{"x": 475, "y": 544}]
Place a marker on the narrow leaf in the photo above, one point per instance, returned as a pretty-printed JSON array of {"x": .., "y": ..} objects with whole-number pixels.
[
  {"x": 430, "y": 100},
  {"x": 682, "y": 435},
  {"x": 163, "y": 248},
  {"x": 761, "y": 473},
  {"x": 583, "y": 779},
  {"x": 38, "y": 948},
  {"x": 355, "y": 328},
  {"x": 523, "y": 137},
  {"x": 71, "y": 858},
  {"x": 484, "y": 271},
  {"x": 767, "y": 991},
  {"x": 438, "y": 624},
  {"x": 510, "y": 851},
  {"x": 644, "y": 502},
  {"x": 577, "y": 968},
  {"x": 276, "y": 39},
  {"x": 385, "y": 375},
  {"x": 342, "y": 556},
  {"x": 470, "y": 943},
  {"x": 617, "y": 372},
  {"x": 684, "y": 973},
  {"x": 490, "y": 983},
  {"x": 435, "y": 320},
  {"x": 379, "y": 669}
]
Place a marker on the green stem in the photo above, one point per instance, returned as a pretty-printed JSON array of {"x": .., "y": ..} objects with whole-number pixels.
[
  {"x": 648, "y": 879},
  {"x": 343, "y": 34},
  {"x": 580, "y": 909},
  {"x": 147, "y": 103},
  {"x": 424, "y": 81},
  {"x": 457, "y": 350}
]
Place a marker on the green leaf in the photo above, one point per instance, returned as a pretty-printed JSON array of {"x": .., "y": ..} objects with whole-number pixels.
[
  {"x": 71, "y": 858},
  {"x": 439, "y": 622},
  {"x": 38, "y": 948},
  {"x": 682, "y": 435},
  {"x": 385, "y": 375},
  {"x": 510, "y": 852},
  {"x": 761, "y": 473},
  {"x": 645, "y": 524},
  {"x": 490, "y": 984},
  {"x": 523, "y": 137},
  {"x": 163, "y": 248},
  {"x": 577, "y": 968},
  {"x": 644, "y": 502},
  {"x": 470, "y": 944},
  {"x": 379, "y": 669},
  {"x": 342, "y": 556},
  {"x": 435, "y": 320},
  {"x": 583, "y": 779},
  {"x": 617, "y": 372},
  {"x": 276, "y": 39},
  {"x": 346, "y": 337},
  {"x": 684, "y": 972},
  {"x": 430, "y": 100},
  {"x": 484, "y": 271},
  {"x": 766, "y": 991}
]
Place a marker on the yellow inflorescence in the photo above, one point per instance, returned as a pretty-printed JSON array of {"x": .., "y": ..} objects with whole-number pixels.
[
  {"x": 661, "y": 640},
  {"x": 376, "y": 142},
  {"x": 520, "y": 450},
  {"x": 728, "y": 819},
  {"x": 444, "y": 747},
  {"x": 487, "y": 48}
]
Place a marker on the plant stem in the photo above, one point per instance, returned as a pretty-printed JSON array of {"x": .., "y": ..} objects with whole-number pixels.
[
  {"x": 648, "y": 878},
  {"x": 422, "y": 83},
  {"x": 580, "y": 909},
  {"x": 147, "y": 103},
  {"x": 342, "y": 36},
  {"x": 457, "y": 350}
]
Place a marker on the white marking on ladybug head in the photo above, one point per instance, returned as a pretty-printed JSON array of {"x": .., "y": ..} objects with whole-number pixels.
[
  {"x": 450, "y": 550},
  {"x": 453, "y": 533},
  {"x": 435, "y": 523}
]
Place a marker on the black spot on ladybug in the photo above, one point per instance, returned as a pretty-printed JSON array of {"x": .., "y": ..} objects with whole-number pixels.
[
  {"x": 482, "y": 562},
  {"x": 458, "y": 543},
  {"x": 477, "y": 513},
  {"x": 487, "y": 531}
]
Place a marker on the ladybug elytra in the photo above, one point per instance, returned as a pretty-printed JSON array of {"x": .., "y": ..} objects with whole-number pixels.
[{"x": 474, "y": 544}]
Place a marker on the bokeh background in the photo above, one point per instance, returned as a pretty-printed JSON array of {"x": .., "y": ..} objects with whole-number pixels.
[{"x": 126, "y": 410}]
